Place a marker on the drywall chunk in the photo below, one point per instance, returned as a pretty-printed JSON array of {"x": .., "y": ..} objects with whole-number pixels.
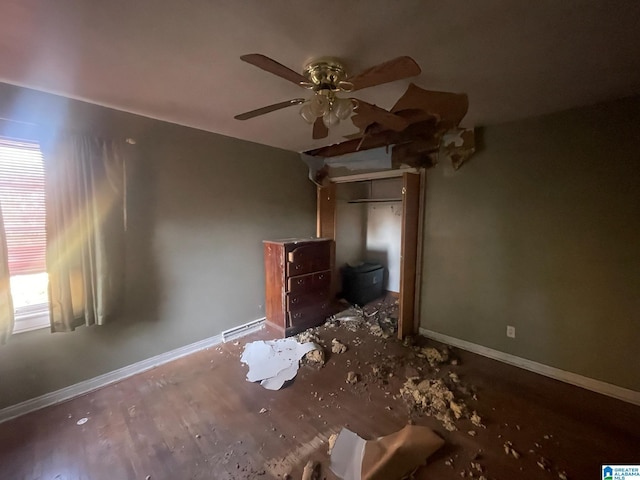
[
  {"x": 337, "y": 346},
  {"x": 273, "y": 362},
  {"x": 390, "y": 457}
]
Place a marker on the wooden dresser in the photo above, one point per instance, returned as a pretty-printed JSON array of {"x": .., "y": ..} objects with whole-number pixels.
[{"x": 298, "y": 283}]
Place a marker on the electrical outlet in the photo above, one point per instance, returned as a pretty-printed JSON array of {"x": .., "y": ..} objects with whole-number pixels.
[{"x": 511, "y": 331}]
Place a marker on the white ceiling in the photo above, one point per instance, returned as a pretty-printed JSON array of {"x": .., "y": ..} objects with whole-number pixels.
[{"x": 178, "y": 60}]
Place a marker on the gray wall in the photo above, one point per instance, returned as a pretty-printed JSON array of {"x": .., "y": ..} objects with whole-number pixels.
[
  {"x": 541, "y": 230},
  {"x": 200, "y": 205}
]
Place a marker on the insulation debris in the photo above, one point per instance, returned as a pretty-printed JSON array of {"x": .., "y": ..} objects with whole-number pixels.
[
  {"x": 274, "y": 362},
  {"x": 352, "y": 377},
  {"x": 509, "y": 450},
  {"x": 434, "y": 356},
  {"x": 315, "y": 357},
  {"x": 433, "y": 397},
  {"x": 392, "y": 457},
  {"x": 476, "y": 420},
  {"x": 337, "y": 346},
  {"x": 543, "y": 463}
]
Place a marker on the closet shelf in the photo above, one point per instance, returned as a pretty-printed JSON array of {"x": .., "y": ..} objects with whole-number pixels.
[{"x": 375, "y": 200}]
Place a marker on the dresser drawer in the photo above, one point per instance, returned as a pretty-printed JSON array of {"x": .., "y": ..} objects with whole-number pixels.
[
  {"x": 308, "y": 258},
  {"x": 309, "y": 283},
  {"x": 301, "y": 301},
  {"x": 310, "y": 315}
]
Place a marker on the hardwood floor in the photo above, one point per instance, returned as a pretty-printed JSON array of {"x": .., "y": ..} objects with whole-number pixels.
[{"x": 198, "y": 418}]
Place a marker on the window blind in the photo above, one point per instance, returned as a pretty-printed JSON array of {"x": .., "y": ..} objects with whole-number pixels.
[{"x": 23, "y": 205}]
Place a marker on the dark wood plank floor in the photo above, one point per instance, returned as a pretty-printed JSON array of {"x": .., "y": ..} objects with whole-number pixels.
[{"x": 198, "y": 418}]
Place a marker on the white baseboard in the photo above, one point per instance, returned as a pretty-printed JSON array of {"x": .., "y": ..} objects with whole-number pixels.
[
  {"x": 598, "y": 386},
  {"x": 100, "y": 381}
]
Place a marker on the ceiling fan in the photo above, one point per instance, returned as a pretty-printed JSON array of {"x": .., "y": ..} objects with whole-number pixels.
[{"x": 326, "y": 77}]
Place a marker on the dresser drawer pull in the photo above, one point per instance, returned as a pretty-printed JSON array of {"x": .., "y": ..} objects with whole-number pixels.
[
  {"x": 297, "y": 315},
  {"x": 320, "y": 277},
  {"x": 300, "y": 282},
  {"x": 294, "y": 300}
]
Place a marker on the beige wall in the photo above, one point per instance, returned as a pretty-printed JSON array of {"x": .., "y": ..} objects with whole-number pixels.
[
  {"x": 200, "y": 205},
  {"x": 541, "y": 230}
]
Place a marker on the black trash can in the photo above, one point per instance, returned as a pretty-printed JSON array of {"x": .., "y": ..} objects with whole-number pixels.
[{"x": 363, "y": 283}]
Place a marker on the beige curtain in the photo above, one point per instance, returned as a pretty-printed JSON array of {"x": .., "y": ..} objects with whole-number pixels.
[
  {"x": 85, "y": 188},
  {"x": 6, "y": 303}
]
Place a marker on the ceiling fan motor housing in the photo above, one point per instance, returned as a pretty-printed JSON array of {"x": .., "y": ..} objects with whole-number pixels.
[{"x": 326, "y": 74}]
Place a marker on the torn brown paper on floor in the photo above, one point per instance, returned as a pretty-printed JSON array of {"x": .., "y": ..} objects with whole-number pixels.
[
  {"x": 273, "y": 362},
  {"x": 386, "y": 458}
]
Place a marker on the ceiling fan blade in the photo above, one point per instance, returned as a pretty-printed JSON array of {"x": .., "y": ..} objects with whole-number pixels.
[
  {"x": 320, "y": 130},
  {"x": 271, "y": 66},
  {"x": 450, "y": 108},
  {"x": 268, "y": 109},
  {"x": 368, "y": 114},
  {"x": 396, "y": 69}
]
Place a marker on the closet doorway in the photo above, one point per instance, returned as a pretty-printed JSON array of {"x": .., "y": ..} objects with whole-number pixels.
[{"x": 376, "y": 218}]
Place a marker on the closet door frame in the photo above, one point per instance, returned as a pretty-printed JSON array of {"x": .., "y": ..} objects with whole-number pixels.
[{"x": 413, "y": 192}]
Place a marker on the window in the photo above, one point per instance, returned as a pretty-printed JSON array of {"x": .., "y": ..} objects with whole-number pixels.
[{"x": 23, "y": 210}]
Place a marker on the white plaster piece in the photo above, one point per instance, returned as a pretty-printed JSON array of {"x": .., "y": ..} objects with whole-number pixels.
[
  {"x": 273, "y": 362},
  {"x": 346, "y": 455}
]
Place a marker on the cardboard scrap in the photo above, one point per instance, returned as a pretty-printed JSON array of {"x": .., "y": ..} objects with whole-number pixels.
[
  {"x": 387, "y": 458},
  {"x": 274, "y": 362}
]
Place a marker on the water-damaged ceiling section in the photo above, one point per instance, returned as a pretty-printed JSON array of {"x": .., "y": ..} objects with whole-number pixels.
[{"x": 180, "y": 61}]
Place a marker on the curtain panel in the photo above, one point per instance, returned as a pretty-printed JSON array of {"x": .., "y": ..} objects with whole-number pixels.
[
  {"x": 6, "y": 302},
  {"x": 84, "y": 190}
]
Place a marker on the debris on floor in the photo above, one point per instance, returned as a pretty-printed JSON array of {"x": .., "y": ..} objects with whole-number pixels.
[
  {"x": 332, "y": 442},
  {"x": 273, "y": 362},
  {"x": 509, "y": 450},
  {"x": 433, "y": 397},
  {"x": 352, "y": 377},
  {"x": 311, "y": 471},
  {"x": 391, "y": 457},
  {"x": 544, "y": 464},
  {"x": 381, "y": 318},
  {"x": 337, "y": 346},
  {"x": 434, "y": 356},
  {"x": 315, "y": 357}
]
